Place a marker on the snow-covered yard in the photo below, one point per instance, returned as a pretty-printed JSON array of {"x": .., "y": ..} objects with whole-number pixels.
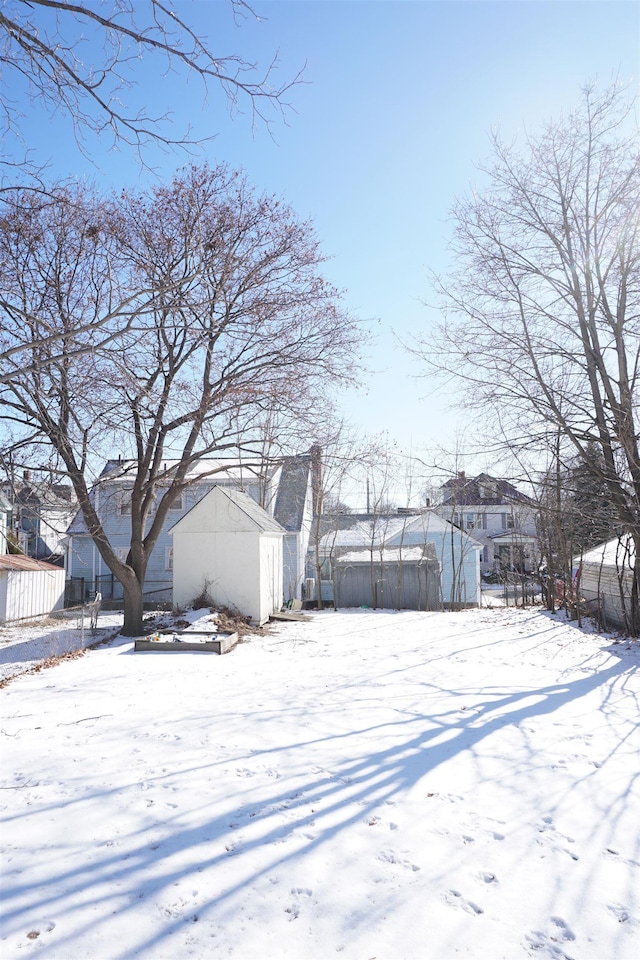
[{"x": 364, "y": 785}]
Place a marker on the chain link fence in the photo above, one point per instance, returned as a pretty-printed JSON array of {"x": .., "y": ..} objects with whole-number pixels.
[{"x": 26, "y": 643}]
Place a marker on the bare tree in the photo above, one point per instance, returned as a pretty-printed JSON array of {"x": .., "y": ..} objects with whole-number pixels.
[
  {"x": 227, "y": 316},
  {"x": 543, "y": 321},
  {"x": 343, "y": 454},
  {"x": 85, "y": 62}
]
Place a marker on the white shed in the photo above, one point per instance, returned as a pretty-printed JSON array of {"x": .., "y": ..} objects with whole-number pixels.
[
  {"x": 230, "y": 548},
  {"x": 29, "y": 587}
]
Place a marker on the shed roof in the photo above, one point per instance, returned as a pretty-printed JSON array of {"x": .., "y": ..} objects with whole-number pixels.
[
  {"x": 12, "y": 561},
  {"x": 426, "y": 553},
  {"x": 259, "y": 517}
]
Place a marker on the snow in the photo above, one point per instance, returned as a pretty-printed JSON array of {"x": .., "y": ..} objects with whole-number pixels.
[
  {"x": 388, "y": 555},
  {"x": 619, "y": 553},
  {"x": 366, "y": 784}
]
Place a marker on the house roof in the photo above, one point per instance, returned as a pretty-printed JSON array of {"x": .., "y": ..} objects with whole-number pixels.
[
  {"x": 361, "y": 530},
  {"x": 259, "y": 517},
  {"x": 373, "y": 530},
  {"x": 10, "y": 561},
  {"x": 513, "y": 536},
  {"x": 232, "y": 468},
  {"x": 472, "y": 491},
  {"x": 57, "y": 496},
  {"x": 292, "y": 491},
  {"x": 219, "y": 471}
]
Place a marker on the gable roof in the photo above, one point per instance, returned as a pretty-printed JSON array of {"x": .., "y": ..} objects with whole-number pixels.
[
  {"x": 470, "y": 491},
  {"x": 252, "y": 510},
  {"x": 362, "y": 530},
  {"x": 429, "y": 523},
  {"x": 373, "y": 530}
]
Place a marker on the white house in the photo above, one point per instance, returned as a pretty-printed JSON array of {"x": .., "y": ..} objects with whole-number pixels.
[
  {"x": 40, "y": 515},
  {"x": 228, "y": 547},
  {"x": 498, "y": 515}
]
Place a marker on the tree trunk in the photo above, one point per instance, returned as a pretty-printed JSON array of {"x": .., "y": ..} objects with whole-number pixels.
[{"x": 133, "y": 607}]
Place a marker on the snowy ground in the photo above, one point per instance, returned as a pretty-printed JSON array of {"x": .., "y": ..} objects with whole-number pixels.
[
  {"x": 364, "y": 785},
  {"x": 25, "y": 646}
]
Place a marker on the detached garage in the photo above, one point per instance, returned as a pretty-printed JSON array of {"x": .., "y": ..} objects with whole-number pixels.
[
  {"x": 228, "y": 547},
  {"x": 399, "y": 578},
  {"x": 606, "y": 579},
  {"x": 29, "y": 588}
]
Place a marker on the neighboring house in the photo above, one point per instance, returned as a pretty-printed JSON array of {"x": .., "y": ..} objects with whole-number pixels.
[
  {"x": 498, "y": 516},
  {"x": 40, "y": 515},
  {"x": 283, "y": 489},
  {"x": 606, "y": 579},
  {"x": 457, "y": 553},
  {"x": 29, "y": 588},
  {"x": 229, "y": 549}
]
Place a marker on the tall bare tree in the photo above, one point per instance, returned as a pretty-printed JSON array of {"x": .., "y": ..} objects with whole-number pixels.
[
  {"x": 543, "y": 305},
  {"x": 203, "y": 306}
]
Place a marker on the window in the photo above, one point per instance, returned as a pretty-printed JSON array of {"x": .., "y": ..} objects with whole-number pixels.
[
  {"x": 125, "y": 505},
  {"x": 178, "y": 504},
  {"x": 507, "y": 521},
  {"x": 470, "y": 521},
  {"x": 168, "y": 558}
]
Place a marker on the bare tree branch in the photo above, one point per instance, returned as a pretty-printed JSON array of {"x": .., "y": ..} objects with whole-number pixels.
[{"x": 74, "y": 59}]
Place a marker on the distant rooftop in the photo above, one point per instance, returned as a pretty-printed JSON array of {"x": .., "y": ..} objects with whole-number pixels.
[{"x": 466, "y": 491}]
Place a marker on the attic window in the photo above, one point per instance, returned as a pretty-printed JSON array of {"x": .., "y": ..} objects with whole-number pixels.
[
  {"x": 178, "y": 503},
  {"x": 487, "y": 489}
]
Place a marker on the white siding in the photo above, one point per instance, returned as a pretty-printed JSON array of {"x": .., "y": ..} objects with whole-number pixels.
[
  {"x": 218, "y": 548},
  {"x": 29, "y": 593}
]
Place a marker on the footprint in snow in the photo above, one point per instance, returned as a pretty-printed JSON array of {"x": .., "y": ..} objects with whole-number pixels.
[
  {"x": 455, "y": 899},
  {"x": 552, "y": 839},
  {"x": 299, "y": 894},
  {"x": 613, "y": 854},
  {"x": 390, "y": 856},
  {"x": 621, "y": 914},
  {"x": 548, "y": 944}
]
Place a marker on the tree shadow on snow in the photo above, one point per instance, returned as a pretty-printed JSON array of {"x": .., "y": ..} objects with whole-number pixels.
[{"x": 386, "y": 760}]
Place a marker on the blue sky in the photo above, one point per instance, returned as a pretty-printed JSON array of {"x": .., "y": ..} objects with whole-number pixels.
[{"x": 388, "y": 129}]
